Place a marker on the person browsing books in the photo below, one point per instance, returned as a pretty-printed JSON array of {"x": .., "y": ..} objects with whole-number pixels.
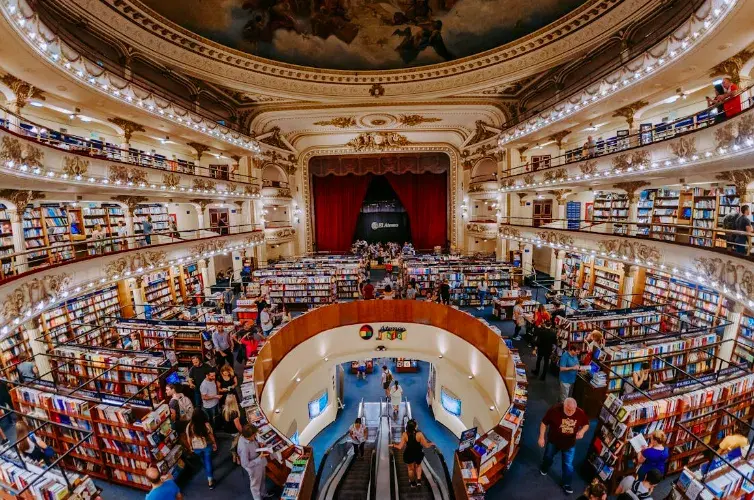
[
  {"x": 253, "y": 460},
  {"x": 163, "y": 487},
  {"x": 637, "y": 489},
  {"x": 653, "y": 456},
  {"x": 210, "y": 396},
  {"x": 569, "y": 367},
  {"x": 564, "y": 424},
  {"x": 595, "y": 491},
  {"x": 546, "y": 338}
]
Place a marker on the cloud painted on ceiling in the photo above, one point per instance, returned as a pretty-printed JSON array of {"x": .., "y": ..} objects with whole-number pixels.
[{"x": 363, "y": 34}]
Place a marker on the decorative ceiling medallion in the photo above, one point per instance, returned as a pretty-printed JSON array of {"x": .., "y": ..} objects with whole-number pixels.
[
  {"x": 378, "y": 120},
  {"x": 378, "y": 141}
]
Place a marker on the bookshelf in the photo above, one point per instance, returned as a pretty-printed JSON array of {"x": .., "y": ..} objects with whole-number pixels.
[
  {"x": 611, "y": 207},
  {"x": 644, "y": 212},
  {"x": 184, "y": 338},
  {"x": 80, "y": 315},
  {"x": 696, "y": 305},
  {"x": 299, "y": 286},
  {"x": 159, "y": 214},
  {"x": 716, "y": 479},
  {"x": 406, "y": 365},
  {"x": 703, "y": 217},
  {"x": 728, "y": 202},
  {"x": 347, "y": 281},
  {"x": 14, "y": 348},
  {"x": 57, "y": 230},
  {"x": 193, "y": 284},
  {"x": 159, "y": 295},
  {"x": 34, "y": 236},
  {"x": 6, "y": 242},
  {"x": 125, "y": 440},
  {"x": 743, "y": 350}
]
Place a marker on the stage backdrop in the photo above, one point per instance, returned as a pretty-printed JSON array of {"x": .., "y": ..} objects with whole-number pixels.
[{"x": 421, "y": 186}]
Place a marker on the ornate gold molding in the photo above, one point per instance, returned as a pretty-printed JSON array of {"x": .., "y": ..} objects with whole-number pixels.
[
  {"x": 560, "y": 195},
  {"x": 629, "y": 110},
  {"x": 559, "y": 136},
  {"x": 739, "y": 178},
  {"x": 521, "y": 150},
  {"x": 521, "y": 197},
  {"x": 414, "y": 120},
  {"x": 18, "y": 152},
  {"x": 208, "y": 246},
  {"x": 631, "y": 189},
  {"x": 731, "y": 67},
  {"x": 128, "y": 127},
  {"x": 481, "y": 133},
  {"x": 75, "y": 166},
  {"x": 555, "y": 238},
  {"x": 555, "y": 174},
  {"x": 338, "y": 122},
  {"x": 274, "y": 138},
  {"x": 626, "y": 160},
  {"x": 134, "y": 262},
  {"x": 203, "y": 185},
  {"x": 589, "y": 167},
  {"x": 119, "y": 174},
  {"x": 171, "y": 180},
  {"x": 201, "y": 202},
  {"x": 21, "y": 197},
  {"x": 509, "y": 232},
  {"x": 251, "y": 190},
  {"x": 733, "y": 274},
  {"x": 377, "y": 141},
  {"x": 199, "y": 148},
  {"x": 630, "y": 249},
  {"x": 239, "y": 204},
  {"x": 684, "y": 148},
  {"x": 24, "y": 91},
  {"x": 24, "y": 297}
]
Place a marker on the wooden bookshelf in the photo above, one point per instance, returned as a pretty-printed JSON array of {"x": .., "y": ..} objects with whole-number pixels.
[
  {"x": 6, "y": 242},
  {"x": 744, "y": 347},
  {"x": 193, "y": 284},
  {"x": 183, "y": 338},
  {"x": 613, "y": 208},
  {"x": 602, "y": 279},
  {"x": 699, "y": 306},
  {"x": 159, "y": 294},
  {"x": 571, "y": 275},
  {"x": 299, "y": 286},
  {"x": 159, "y": 214},
  {"x": 80, "y": 315},
  {"x": 672, "y": 206},
  {"x": 14, "y": 348},
  {"x": 644, "y": 212}
]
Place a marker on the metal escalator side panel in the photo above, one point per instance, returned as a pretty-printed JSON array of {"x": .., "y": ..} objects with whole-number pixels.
[
  {"x": 436, "y": 484},
  {"x": 395, "y": 487},
  {"x": 382, "y": 480},
  {"x": 331, "y": 487}
]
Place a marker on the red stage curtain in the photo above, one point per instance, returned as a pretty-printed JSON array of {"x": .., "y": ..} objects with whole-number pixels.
[
  {"x": 425, "y": 198},
  {"x": 337, "y": 204}
]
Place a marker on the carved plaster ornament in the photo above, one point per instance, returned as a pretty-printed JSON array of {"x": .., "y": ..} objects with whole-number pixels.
[
  {"x": 483, "y": 149},
  {"x": 239, "y": 204},
  {"x": 284, "y": 233},
  {"x": 128, "y": 127},
  {"x": 23, "y": 91},
  {"x": 521, "y": 197},
  {"x": 203, "y": 185},
  {"x": 338, "y": 122},
  {"x": 555, "y": 238},
  {"x": 20, "y": 197},
  {"x": 631, "y": 189},
  {"x": 509, "y": 232},
  {"x": 377, "y": 90},
  {"x": 521, "y": 151},
  {"x": 201, "y": 202},
  {"x": 133, "y": 262},
  {"x": 414, "y": 120},
  {"x": 555, "y": 174},
  {"x": 75, "y": 166},
  {"x": 254, "y": 239},
  {"x": 560, "y": 195},
  {"x": 231, "y": 187},
  {"x": 467, "y": 164},
  {"x": 274, "y": 138},
  {"x": 378, "y": 141},
  {"x": 724, "y": 136},
  {"x": 589, "y": 167},
  {"x": 558, "y": 137},
  {"x": 684, "y": 148},
  {"x": 628, "y": 111},
  {"x": 13, "y": 150},
  {"x": 481, "y": 133},
  {"x": 119, "y": 174},
  {"x": 529, "y": 179},
  {"x": 745, "y": 126},
  {"x": 732, "y": 66},
  {"x": 733, "y": 274},
  {"x": 739, "y": 178},
  {"x": 24, "y": 297},
  {"x": 209, "y": 246},
  {"x": 130, "y": 201},
  {"x": 630, "y": 249},
  {"x": 500, "y": 154},
  {"x": 171, "y": 180},
  {"x": 251, "y": 190}
]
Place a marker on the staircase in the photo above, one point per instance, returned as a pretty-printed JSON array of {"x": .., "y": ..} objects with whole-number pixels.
[
  {"x": 355, "y": 484},
  {"x": 405, "y": 491}
]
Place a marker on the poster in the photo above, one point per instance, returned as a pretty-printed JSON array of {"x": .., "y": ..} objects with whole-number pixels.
[{"x": 467, "y": 439}]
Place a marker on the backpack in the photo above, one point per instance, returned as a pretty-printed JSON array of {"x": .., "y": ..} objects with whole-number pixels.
[
  {"x": 729, "y": 221},
  {"x": 185, "y": 408},
  {"x": 389, "y": 377},
  {"x": 635, "y": 490}
]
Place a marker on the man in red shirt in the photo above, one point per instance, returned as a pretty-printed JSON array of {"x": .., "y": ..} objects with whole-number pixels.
[
  {"x": 732, "y": 102},
  {"x": 368, "y": 291},
  {"x": 567, "y": 423}
]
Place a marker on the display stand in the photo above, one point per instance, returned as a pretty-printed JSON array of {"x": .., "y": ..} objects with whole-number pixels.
[{"x": 369, "y": 366}]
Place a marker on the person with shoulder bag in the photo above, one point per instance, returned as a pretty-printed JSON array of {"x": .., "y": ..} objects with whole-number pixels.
[{"x": 202, "y": 440}]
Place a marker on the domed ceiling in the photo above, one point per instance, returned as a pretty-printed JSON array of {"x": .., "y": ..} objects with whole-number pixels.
[{"x": 363, "y": 34}]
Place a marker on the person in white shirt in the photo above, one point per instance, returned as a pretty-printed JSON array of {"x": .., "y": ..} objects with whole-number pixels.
[
  {"x": 265, "y": 320},
  {"x": 358, "y": 434},
  {"x": 396, "y": 395},
  {"x": 640, "y": 490},
  {"x": 253, "y": 462},
  {"x": 482, "y": 292},
  {"x": 122, "y": 242}
]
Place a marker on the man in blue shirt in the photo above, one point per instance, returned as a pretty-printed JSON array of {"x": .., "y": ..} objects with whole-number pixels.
[
  {"x": 163, "y": 488},
  {"x": 146, "y": 229},
  {"x": 569, "y": 367}
]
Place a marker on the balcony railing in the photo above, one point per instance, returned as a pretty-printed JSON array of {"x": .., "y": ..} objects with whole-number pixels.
[
  {"x": 29, "y": 261},
  {"x": 709, "y": 116},
  {"x": 100, "y": 150},
  {"x": 735, "y": 243}
]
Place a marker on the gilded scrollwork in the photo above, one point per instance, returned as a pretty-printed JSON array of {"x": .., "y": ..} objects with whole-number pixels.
[
  {"x": 251, "y": 190},
  {"x": 20, "y": 197},
  {"x": 171, "y": 180},
  {"x": 134, "y": 263},
  {"x": 630, "y": 249},
  {"x": 24, "y": 297},
  {"x": 529, "y": 179},
  {"x": 208, "y": 247},
  {"x": 555, "y": 238},
  {"x": 119, "y": 174},
  {"x": 75, "y": 166},
  {"x": 13, "y": 150},
  {"x": 203, "y": 185},
  {"x": 734, "y": 275},
  {"x": 589, "y": 167},
  {"x": 378, "y": 141},
  {"x": 684, "y": 148},
  {"x": 509, "y": 232},
  {"x": 724, "y": 136},
  {"x": 555, "y": 174},
  {"x": 338, "y": 122}
]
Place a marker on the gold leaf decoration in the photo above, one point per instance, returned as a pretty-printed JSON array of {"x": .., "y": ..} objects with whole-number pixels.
[
  {"x": 338, "y": 122},
  {"x": 630, "y": 249},
  {"x": 685, "y": 147},
  {"x": 377, "y": 141},
  {"x": 414, "y": 120},
  {"x": 171, "y": 180},
  {"x": 589, "y": 167},
  {"x": 203, "y": 185},
  {"x": 75, "y": 166}
]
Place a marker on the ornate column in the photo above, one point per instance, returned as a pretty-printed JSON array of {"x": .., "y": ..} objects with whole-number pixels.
[
  {"x": 632, "y": 189},
  {"x": 24, "y": 92},
  {"x": 200, "y": 150},
  {"x": 740, "y": 179},
  {"x": 129, "y": 128},
  {"x": 136, "y": 285},
  {"x": 200, "y": 205},
  {"x": 730, "y": 333},
  {"x": 237, "y": 258},
  {"x": 559, "y": 257},
  {"x": 206, "y": 275},
  {"x": 628, "y": 285}
]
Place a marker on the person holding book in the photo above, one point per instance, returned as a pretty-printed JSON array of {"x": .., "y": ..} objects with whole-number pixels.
[
  {"x": 653, "y": 456},
  {"x": 31, "y": 446},
  {"x": 640, "y": 379},
  {"x": 640, "y": 489},
  {"x": 253, "y": 460},
  {"x": 202, "y": 440},
  {"x": 227, "y": 383},
  {"x": 569, "y": 367},
  {"x": 163, "y": 487},
  {"x": 564, "y": 424}
]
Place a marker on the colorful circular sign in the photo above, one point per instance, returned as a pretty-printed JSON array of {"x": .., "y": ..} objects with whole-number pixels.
[{"x": 366, "y": 332}]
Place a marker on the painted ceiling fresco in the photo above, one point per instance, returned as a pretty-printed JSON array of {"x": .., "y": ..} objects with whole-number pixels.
[{"x": 363, "y": 34}]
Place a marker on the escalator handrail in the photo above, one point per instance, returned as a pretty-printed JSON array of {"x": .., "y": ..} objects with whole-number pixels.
[
  {"x": 433, "y": 476},
  {"x": 340, "y": 440},
  {"x": 382, "y": 451}
]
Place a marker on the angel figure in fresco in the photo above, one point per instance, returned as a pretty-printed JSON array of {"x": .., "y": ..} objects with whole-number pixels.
[{"x": 428, "y": 34}]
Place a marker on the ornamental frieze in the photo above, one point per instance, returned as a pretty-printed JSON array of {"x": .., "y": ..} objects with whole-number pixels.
[
  {"x": 555, "y": 238},
  {"x": 208, "y": 247},
  {"x": 684, "y": 148},
  {"x": 171, "y": 180},
  {"x": 119, "y": 174},
  {"x": 134, "y": 262},
  {"x": 18, "y": 152},
  {"x": 734, "y": 275},
  {"x": 509, "y": 232},
  {"x": 630, "y": 249},
  {"x": 378, "y": 141},
  {"x": 24, "y": 297},
  {"x": 203, "y": 185},
  {"x": 75, "y": 166}
]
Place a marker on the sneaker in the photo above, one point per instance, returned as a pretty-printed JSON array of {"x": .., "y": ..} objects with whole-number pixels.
[
  {"x": 517, "y": 337},
  {"x": 568, "y": 489},
  {"x": 544, "y": 473},
  {"x": 212, "y": 485},
  {"x": 413, "y": 484}
]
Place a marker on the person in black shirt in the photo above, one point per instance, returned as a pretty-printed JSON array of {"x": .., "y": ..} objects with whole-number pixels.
[
  {"x": 445, "y": 292},
  {"x": 546, "y": 338},
  {"x": 197, "y": 373},
  {"x": 743, "y": 224},
  {"x": 558, "y": 311}
]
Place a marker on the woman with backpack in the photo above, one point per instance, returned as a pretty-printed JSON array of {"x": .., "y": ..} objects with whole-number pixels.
[
  {"x": 202, "y": 441},
  {"x": 387, "y": 379}
]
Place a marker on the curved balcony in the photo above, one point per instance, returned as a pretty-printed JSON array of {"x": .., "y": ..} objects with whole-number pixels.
[
  {"x": 483, "y": 187},
  {"x": 684, "y": 146},
  {"x": 482, "y": 229},
  {"x": 278, "y": 234},
  {"x": 729, "y": 268},
  {"x": 656, "y": 51},
  {"x": 276, "y": 190},
  {"x": 47, "y": 158},
  {"x": 41, "y": 278}
]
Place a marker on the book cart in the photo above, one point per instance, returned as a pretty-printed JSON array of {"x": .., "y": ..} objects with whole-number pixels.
[
  {"x": 112, "y": 404},
  {"x": 21, "y": 478},
  {"x": 703, "y": 404},
  {"x": 481, "y": 465}
]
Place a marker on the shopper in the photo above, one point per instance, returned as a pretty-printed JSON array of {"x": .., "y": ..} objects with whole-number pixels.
[
  {"x": 411, "y": 292},
  {"x": 234, "y": 419},
  {"x": 223, "y": 345},
  {"x": 31, "y": 446},
  {"x": 98, "y": 239},
  {"x": 202, "y": 440},
  {"x": 731, "y": 98},
  {"x": 541, "y": 315},
  {"x": 228, "y": 297},
  {"x": 546, "y": 340},
  {"x": 265, "y": 319},
  {"x": 181, "y": 409},
  {"x": 135, "y": 344},
  {"x": 445, "y": 292},
  {"x": 388, "y": 293},
  {"x": 196, "y": 375},
  {"x": 146, "y": 229},
  {"x": 641, "y": 379},
  {"x": 519, "y": 318},
  {"x": 595, "y": 491},
  {"x": 653, "y": 456},
  {"x": 122, "y": 241},
  {"x": 27, "y": 370},
  {"x": 413, "y": 443},
  {"x": 396, "y": 396},
  {"x": 174, "y": 229},
  {"x": 387, "y": 379},
  {"x": 367, "y": 291},
  {"x": 163, "y": 487},
  {"x": 358, "y": 434},
  {"x": 589, "y": 148},
  {"x": 564, "y": 423},
  {"x": 210, "y": 397},
  {"x": 361, "y": 369},
  {"x": 569, "y": 367},
  {"x": 638, "y": 489},
  {"x": 227, "y": 383},
  {"x": 743, "y": 224},
  {"x": 481, "y": 291},
  {"x": 253, "y": 462}
]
